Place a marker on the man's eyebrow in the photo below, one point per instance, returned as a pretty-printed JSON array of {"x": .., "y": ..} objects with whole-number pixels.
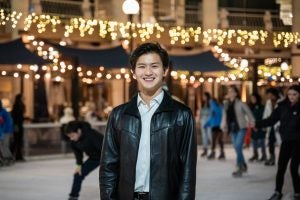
[{"x": 142, "y": 63}]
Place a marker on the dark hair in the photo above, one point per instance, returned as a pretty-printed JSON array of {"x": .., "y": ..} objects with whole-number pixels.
[
  {"x": 258, "y": 100},
  {"x": 73, "y": 126},
  {"x": 208, "y": 97},
  {"x": 149, "y": 48},
  {"x": 295, "y": 87},
  {"x": 274, "y": 92},
  {"x": 236, "y": 90}
]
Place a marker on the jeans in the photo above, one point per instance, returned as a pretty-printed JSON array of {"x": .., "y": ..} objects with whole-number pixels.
[
  {"x": 237, "y": 139},
  {"x": 206, "y": 134},
  {"x": 259, "y": 143},
  {"x": 88, "y": 166}
]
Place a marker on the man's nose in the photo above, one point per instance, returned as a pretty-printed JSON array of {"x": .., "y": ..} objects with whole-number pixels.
[{"x": 148, "y": 70}]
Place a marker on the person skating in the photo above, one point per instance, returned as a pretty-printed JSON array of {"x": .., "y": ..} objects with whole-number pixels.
[
  {"x": 288, "y": 114},
  {"x": 86, "y": 140}
]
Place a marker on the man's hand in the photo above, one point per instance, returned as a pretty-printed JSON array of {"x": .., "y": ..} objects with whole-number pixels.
[{"x": 78, "y": 170}]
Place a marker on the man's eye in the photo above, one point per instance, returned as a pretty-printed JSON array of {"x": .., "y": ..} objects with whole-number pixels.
[{"x": 141, "y": 66}]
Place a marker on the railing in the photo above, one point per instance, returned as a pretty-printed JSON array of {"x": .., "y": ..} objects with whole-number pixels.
[
  {"x": 42, "y": 139},
  {"x": 238, "y": 18},
  {"x": 193, "y": 15},
  {"x": 254, "y": 19},
  {"x": 65, "y": 8}
]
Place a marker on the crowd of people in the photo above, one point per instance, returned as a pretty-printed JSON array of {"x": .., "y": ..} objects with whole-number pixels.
[{"x": 275, "y": 123}]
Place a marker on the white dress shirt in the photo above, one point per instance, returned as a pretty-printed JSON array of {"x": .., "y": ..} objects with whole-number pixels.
[{"x": 142, "y": 172}]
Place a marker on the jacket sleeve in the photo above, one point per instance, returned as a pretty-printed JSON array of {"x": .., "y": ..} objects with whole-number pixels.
[
  {"x": 78, "y": 154},
  {"x": 248, "y": 112},
  {"x": 271, "y": 120},
  {"x": 109, "y": 164},
  {"x": 9, "y": 128},
  {"x": 188, "y": 157}
]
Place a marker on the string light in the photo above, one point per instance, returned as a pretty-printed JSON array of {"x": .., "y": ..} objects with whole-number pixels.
[{"x": 114, "y": 30}]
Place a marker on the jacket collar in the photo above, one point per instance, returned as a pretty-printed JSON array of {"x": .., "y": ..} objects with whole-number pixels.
[{"x": 166, "y": 105}]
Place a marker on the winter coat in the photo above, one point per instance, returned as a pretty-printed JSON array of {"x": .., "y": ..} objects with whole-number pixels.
[
  {"x": 289, "y": 117},
  {"x": 257, "y": 111},
  {"x": 215, "y": 114},
  {"x": 242, "y": 112},
  {"x": 6, "y": 123}
]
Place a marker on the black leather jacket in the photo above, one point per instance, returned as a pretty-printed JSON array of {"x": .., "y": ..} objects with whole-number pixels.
[{"x": 173, "y": 152}]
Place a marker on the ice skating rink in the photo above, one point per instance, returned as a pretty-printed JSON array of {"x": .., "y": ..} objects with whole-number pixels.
[{"x": 50, "y": 178}]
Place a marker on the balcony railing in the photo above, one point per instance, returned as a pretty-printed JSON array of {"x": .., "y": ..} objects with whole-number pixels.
[
  {"x": 66, "y": 8},
  {"x": 254, "y": 19}
]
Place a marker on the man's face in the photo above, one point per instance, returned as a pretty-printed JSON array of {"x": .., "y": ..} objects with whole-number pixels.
[
  {"x": 149, "y": 73},
  {"x": 73, "y": 136}
]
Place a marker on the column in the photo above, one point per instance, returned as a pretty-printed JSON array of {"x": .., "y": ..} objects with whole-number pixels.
[
  {"x": 86, "y": 9},
  {"x": 296, "y": 49},
  {"x": 36, "y": 6},
  {"x": 75, "y": 88},
  {"x": 20, "y": 6},
  {"x": 210, "y": 14},
  {"x": 147, "y": 11},
  {"x": 180, "y": 12}
]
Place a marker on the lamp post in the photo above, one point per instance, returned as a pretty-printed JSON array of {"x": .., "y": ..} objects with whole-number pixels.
[{"x": 130, "y": 8}]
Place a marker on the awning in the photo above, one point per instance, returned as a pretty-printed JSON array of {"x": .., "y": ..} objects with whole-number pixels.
[
  {"x": 111, "y": 58},
  {"x": 15, "y": 52},
  {"x": 203, "y": 62}
]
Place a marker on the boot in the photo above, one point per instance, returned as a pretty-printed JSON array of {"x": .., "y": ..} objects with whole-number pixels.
[
  {"x": 263, "y": 159},
  {"x": 253, "y": 158},
  {"x": 237, "y": 173},
  {"x": 211, "y": 156},
  {"x": 244, "y": 168},
  {"x": 276, "y": 196},
  {"x": 204, "y": 153},
  {"x": 73, "y": 198},
  {"x": 221, "y": 156},
  {"x": 271, "y": 161}
]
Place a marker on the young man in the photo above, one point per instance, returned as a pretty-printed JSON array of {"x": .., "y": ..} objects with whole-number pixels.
[
  {"x": 86, "y": 140},
  {"x": 149, "y": 150}
]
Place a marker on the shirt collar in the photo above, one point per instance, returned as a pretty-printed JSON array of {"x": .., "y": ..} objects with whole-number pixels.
[{"x": 158, "y": 99}]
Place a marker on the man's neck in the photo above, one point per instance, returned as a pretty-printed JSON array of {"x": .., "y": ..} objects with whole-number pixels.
[{"x": 148, "y": 96}]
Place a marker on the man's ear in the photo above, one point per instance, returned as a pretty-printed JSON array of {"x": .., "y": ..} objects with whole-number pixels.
[
  {"x": 166, "y": 72},
  {"x": 133, "y": 74}
]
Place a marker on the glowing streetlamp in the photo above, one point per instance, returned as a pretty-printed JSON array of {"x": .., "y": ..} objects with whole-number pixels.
[{"x": 130, "y": 8}]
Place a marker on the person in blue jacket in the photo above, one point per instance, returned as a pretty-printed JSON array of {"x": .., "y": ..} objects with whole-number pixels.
[
  {"x": 6, "y": 128},
  {"x": 214, "y": 121}
]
